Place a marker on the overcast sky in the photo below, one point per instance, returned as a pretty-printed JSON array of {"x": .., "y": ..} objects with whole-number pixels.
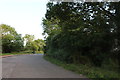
[{"x": 24, "y": 15}]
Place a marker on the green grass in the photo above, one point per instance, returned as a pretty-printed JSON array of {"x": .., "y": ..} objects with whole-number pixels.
[
  {"x": 89, "y": 71},
  {"x": 20, "y": 53},
  {"x": 17, "y": 53}
]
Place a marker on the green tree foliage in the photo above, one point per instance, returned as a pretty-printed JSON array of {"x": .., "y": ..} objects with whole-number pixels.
[
  {"x": 40, "y": 44},
  {"x": 82, "y": 32},
  {"x": 28, "y": 41},
  {"x": 34, "y": 45},
  {"x": 11, "y": 40}
]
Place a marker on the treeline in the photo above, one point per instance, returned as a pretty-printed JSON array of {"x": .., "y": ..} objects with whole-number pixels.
[
  {"x": 34, "y": 45},
  {"x": 83, "y": 33},
  {"x": 14, "y": 42}
]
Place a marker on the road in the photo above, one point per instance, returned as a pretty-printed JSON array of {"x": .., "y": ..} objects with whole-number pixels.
[{"x": 33, "y": 66}]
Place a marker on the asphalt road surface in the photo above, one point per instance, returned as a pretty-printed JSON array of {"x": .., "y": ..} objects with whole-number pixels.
[{"x": 33, "y": 66}]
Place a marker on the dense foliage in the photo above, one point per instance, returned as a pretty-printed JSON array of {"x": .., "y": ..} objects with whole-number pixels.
[
  {"x": 86, "y": 33},
  {"x": 14, "y": 42},
  {"x": 11, "y": 40},
  {"x": 34, "y": 45}
]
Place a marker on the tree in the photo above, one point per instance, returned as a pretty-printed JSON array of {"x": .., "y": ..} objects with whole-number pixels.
[
  {"x": 11, "y": 40},
  {"x": 81, "y": 31},
  {"x": 34, "y": 45},
  {"x": 40, "y": 44},
  {"x": 28, "y": 40}
]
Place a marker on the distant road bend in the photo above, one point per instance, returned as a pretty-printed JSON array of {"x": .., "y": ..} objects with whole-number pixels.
[{"x": 33, "y": 66}]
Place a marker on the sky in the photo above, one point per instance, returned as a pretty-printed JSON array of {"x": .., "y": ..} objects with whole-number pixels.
[{"x": 24, "y": 15}]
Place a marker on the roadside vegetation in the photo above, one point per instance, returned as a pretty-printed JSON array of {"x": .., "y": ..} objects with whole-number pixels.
[
  {"x": 13, "y": 43},
  {"x": 20, "y": 53},
  {"x": 94, "y": 73},
  {"x": 86, "y": 34}
]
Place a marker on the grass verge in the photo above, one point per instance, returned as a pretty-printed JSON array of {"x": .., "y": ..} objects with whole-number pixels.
[
  {"x": 17, "y": 53},
  {"x": 91, "y": 72},
  {"x": 20, "y": 53}
]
